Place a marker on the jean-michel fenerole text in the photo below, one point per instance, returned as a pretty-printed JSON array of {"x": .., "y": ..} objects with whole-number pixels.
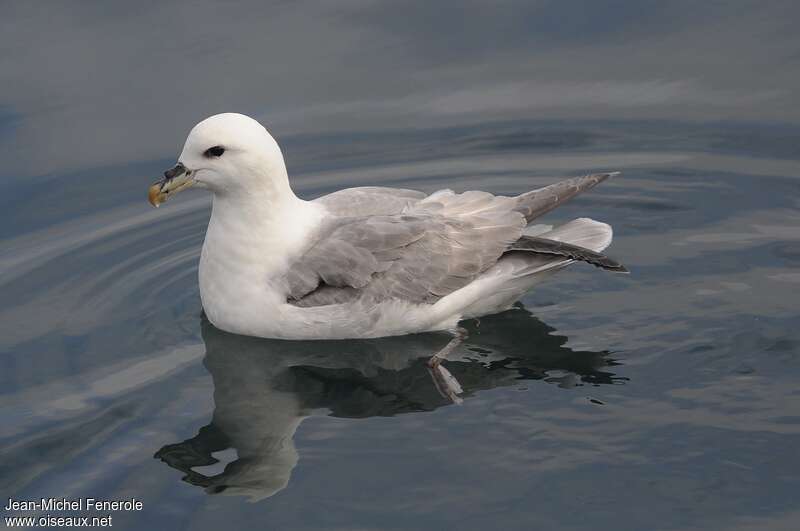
[{"x": 77, "y": 504}]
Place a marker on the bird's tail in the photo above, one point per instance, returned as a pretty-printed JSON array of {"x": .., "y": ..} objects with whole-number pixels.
[
  {"x": 583, "y": 239},
  {"x": 520, "y": 271},
  {"x": 583, "y": 232}
]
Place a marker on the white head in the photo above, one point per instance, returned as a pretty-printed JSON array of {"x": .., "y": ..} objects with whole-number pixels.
[{"x": 229, "y": 154}]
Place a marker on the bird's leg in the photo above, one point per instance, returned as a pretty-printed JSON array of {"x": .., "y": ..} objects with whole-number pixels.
[
  {"x": 458, "y": 337},
  {"x": 445, "y": 382}
]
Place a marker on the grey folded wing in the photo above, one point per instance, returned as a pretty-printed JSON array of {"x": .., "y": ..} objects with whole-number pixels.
[
  {"x": 435, "y": 247},
  {"x": 382, "y": 201},
  {"x": 395, "y": 243},
  {"x": 369, "y": 201}
]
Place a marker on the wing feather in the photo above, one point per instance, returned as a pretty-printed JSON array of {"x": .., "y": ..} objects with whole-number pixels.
[
  {"x": 392, "y": 243},
  {"x": 430, "y": 249},
  {"x": 574, "y": 252},
  {"x": 539, "y": 202},
  {"x": 369, "y": 201}
]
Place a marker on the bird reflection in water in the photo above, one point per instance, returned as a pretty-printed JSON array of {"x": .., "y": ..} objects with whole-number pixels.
[{"x": 264, "y": 388}]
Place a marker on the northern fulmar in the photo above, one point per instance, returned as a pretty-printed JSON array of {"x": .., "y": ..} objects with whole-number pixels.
[{"x": 368, "y": 261}]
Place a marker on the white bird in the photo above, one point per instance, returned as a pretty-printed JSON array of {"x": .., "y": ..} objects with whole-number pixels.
[{"x": 362, "y": 262}]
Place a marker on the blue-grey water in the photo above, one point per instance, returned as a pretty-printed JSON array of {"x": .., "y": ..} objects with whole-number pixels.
[{"x": 668, "y": 399}]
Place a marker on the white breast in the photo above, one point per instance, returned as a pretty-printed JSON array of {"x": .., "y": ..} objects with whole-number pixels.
[{"x": 242, "y": 255}]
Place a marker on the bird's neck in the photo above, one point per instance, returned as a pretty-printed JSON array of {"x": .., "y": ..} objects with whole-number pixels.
[
  {"x": 264, "y": 226},
  {"x": 256, "y": 215}
]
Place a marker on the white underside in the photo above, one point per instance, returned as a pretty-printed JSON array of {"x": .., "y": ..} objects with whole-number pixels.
[{"x": 259, "y": 312}]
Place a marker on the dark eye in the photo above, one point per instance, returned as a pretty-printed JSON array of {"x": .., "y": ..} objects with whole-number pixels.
[{"x": 215, "y": 151}]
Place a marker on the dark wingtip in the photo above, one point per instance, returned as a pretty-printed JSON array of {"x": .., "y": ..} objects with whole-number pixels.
[
  {"x": 609, "y": 264},
  {"x": 606, "y": 174},
  {"x": 615, "y": 267},
  {"x": 602, "y": 176}
]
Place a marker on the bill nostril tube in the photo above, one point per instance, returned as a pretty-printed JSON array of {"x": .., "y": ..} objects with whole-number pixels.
[{"x": 171, "y": 173}]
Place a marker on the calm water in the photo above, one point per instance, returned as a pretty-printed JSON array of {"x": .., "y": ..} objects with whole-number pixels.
[{"x": 667, "y": 399}]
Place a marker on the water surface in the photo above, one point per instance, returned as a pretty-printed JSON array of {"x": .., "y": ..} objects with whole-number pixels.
[{"x": 666, "y": 399}]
